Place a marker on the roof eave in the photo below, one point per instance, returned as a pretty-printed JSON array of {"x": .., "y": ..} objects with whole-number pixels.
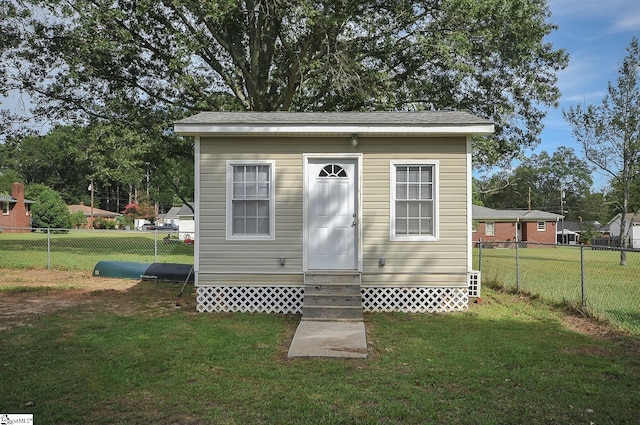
[{"x": 194, "y": 129}]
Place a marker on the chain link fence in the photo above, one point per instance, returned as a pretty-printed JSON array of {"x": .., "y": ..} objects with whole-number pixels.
[
  {"x": 589, "y": 278},
  {"x": 82, "y": 249},
  {"x": 586, "y": 277}
]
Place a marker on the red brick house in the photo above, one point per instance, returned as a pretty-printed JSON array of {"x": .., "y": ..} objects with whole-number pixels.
[
  {"x": 92, "y": 213},
  {"x": 15, "y": 217},
  {"x": 531, "y": 226}
]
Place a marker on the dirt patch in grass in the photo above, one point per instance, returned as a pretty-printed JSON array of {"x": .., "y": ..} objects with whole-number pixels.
[
  {"x": 589, "y": 326},
  {"x": 28, "y": 293}
]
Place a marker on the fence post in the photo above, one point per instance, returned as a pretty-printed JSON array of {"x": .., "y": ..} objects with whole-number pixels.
[
  {"x": 48, "y": 248},
  {"x": 517, "y": 267},
  {"x": 480, "y": 257},
  {"x": 155, "y": 245},
  {"x": 582, "y": 283}
]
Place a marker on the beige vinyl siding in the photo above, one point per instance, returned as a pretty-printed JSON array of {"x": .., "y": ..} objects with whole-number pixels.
[
  {"x": 415, "y": 263},
  {"x": 433, "y": 263},
  {"x": 249, "y": 262}
]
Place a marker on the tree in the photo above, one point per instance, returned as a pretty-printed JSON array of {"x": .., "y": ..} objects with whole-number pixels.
[
  {"x": 78, "y": 219},
  {"x": 49, "y": 210},
  {"x": 610, "y": 134},
  {"x": 146, "y": 63},
  {"x": 115, "y": 158},
  {"x": 539, "y": 182},
  {"x": 50, "y": 160},
  {"x": 7, "y": 178},
  {"x": 142, "y": 210}
]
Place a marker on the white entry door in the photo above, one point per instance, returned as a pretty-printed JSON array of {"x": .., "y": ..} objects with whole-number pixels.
[{"x": 332, "y": 214}]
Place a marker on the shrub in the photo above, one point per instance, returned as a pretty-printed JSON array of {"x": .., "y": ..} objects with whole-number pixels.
[{"x": 49, "y": 210}]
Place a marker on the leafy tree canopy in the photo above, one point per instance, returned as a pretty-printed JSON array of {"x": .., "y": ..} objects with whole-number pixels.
[
  {"x": 115, "y": 158},
  {"x": 49, "y": 210},
  {"x": 146, "y": 63},
  {"x": 610, "y": 135},
  {"x": 142, "y": 210},
  {"x": 539, "y": 182}
]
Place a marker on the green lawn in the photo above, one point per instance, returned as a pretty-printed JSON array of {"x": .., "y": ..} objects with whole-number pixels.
[
  {"x": 82, "y": 249},
  {"x": 135, "y": 357},
  {"x": 612, "y": 292}
]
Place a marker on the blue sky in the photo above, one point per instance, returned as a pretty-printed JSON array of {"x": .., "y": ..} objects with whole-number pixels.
[{"x": 596, "y": 34}]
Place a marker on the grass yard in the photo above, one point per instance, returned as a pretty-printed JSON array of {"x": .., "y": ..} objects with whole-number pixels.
[
  {"x": 612, "y": 291},
  {"x": 142, "y": 355},
  {"x": 82, "y": 249}
]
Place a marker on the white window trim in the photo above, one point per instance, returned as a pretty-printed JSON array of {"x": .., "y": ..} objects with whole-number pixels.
[
  {"x": 436, "y": 201},
  {"x": 544, "y": 226},
  {"x": 272, "y": 201},
  {"x": 486, "y": 228},
  {"x": 5, "y": 208}
]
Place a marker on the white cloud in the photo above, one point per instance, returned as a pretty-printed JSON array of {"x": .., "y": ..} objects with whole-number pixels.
[{"x": 628, "y": 22}]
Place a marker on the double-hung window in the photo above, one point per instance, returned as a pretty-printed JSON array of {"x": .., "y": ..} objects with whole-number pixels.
[
  {"x": 542, "y": 226},
  {"x": 490, "y": 228},
  {"x": 250, "y": 200},
  {"x": 414, "y": 200},
  {"x": 5, "y": 207}
]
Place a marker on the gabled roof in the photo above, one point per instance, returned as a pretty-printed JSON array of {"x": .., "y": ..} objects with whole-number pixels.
[
  {"x": 97, "y": 212},
  {"x": 334, "y": 123},
  {"x": 581, "y": 226},
  {"x": 172, "y": 213},
  {"x": 184, "y": 211},
  {"x": 12, "y": 200},
  {"x": 632, "y": 218},
  {"x": 484, "y": 213}
]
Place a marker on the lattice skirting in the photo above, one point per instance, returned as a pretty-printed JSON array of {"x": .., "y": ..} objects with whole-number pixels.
[
  {"x": 415, "y": 300},
  {"x": 253, "y": 299},
  {"x": 289, "y": 300}
]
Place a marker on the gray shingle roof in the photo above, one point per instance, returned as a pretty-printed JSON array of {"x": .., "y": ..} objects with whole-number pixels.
[
  {"x": 185, "y": 210},
  {"x": 331, "y": 118},
  {"x": 334, "y": 122},
  {"x": 484, "y": 213}
]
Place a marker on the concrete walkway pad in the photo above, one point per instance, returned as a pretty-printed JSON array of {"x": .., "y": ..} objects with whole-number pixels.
[{"x": 329, "y": 339}]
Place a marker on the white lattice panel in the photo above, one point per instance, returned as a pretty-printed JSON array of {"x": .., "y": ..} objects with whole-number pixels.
[
  {"x": 474, "y": 284},
  {"x": 253, "y": 299},
  {"x": 415, "y": 300},
  {"x": 289, "y": 300}
]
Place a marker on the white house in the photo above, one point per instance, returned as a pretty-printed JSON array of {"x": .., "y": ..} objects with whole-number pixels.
[
  {"x": 187, "y": 227},
  {"x": 289, "y": 206},
  {"x": 633, "y": 221}
]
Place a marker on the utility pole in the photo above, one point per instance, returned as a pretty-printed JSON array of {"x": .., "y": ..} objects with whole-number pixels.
[
  {"x": 91, "y": 188},
  {"x": 562, "y": 213}
]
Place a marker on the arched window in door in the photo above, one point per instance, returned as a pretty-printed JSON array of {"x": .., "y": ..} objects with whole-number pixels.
[{"x": 332, "y": 170}]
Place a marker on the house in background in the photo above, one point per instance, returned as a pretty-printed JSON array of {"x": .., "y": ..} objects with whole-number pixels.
[
  {"x": 532, "y": 226},
  {"x": 574, "y": 231},
  {"x": 170, "y": 217},
  {"x": 183, "y": 218},
  {"x": 16, "y": 216},
  {"x": 91, "y": 214},
  {"x": 187, "y": 226},
  {"x": 290, "y": 206},
  {"x": 633, "y": 222}
]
